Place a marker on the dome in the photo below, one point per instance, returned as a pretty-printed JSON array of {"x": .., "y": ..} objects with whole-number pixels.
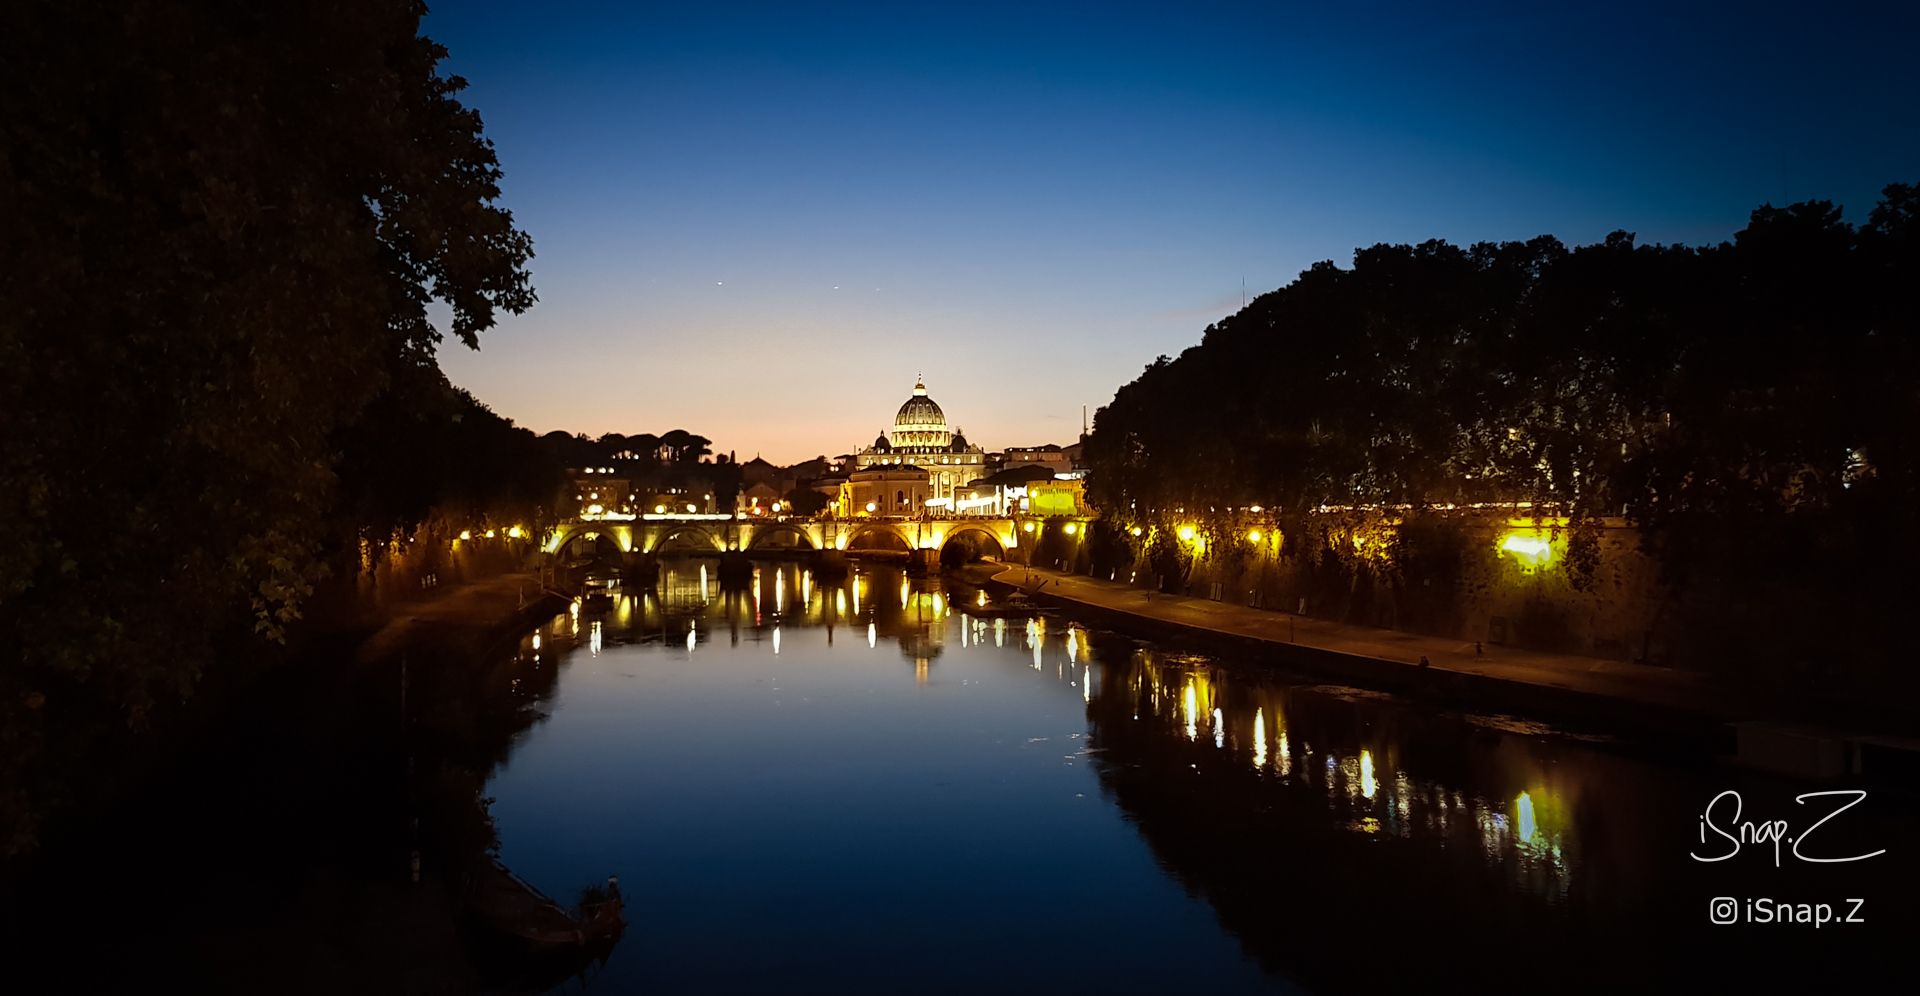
[
  {"x": 920, "y": 421},
  {"x": 920, "y": 412}
]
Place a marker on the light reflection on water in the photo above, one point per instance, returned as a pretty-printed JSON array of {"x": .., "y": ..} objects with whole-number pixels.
[{"x": 855, "y": 822}]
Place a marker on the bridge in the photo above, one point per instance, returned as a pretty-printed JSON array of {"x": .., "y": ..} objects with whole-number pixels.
[{"x": 1010, "y": 538}]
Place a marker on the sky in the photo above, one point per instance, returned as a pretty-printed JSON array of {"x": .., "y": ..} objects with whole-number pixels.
[{"x": 761, "y": 223}]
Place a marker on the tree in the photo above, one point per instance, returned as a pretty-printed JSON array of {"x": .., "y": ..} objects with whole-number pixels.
[
  {"x": 1750, "y": 406},
  {"x": 226, "y": 221}
]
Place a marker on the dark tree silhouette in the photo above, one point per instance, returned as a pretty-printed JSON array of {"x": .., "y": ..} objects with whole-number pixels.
[
  {"x": 1750, "y": 405},
  {"x": 225, "y": 224}
]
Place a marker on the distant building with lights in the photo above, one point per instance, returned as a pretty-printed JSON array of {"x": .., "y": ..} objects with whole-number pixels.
[{"x": 919, "y": 449}]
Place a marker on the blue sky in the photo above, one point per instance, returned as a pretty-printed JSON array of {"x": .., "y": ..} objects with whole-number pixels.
[{"x": 761, "y": 222}]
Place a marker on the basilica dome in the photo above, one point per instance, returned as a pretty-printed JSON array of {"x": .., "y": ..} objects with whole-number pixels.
[{"x": 920, "y": 421}]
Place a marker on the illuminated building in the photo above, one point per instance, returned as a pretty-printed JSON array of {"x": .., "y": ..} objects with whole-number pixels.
[{"x": 920, "y": 443}]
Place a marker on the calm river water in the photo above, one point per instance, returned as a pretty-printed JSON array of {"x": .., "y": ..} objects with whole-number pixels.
[{"x": 858, "y": 787}]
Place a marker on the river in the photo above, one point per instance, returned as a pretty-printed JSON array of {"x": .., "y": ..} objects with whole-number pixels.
[{"x": 855, "y": 786}]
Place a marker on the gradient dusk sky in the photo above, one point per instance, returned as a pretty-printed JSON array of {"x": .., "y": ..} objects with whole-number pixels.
[{"x": 759, "y": 223}]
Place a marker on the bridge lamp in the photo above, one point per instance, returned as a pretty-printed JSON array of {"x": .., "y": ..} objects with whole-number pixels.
[
  {"x": 1253, "y": 535},
  {"x": 1070, "y": 529},
  {"x": 1028, "y": 527},
  {"x": 489, "y": 534},
  {"x": 466, "y": 534},
  {"x": 871, "y": 507},
  {"x": 776, "y": 508},
  {"x": 1137, "y": 530},
  {"x": 1186, "y": 533},
  {"x": 516, "y": 533},
  {"x": 691, "y": 507},
  {"x": 659, "y": 509}
]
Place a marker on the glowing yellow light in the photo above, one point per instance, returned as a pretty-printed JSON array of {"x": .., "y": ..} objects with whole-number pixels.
[
  {"x": 1137, "y": 530},
  {"x": 1190, "y": 706},
  {"x": 871, "y": 506},
  {"x": 659, "y": 509},
  {"x": 1186, "y": 533},
  {"x": 776, "y": 641},
  {"x": 1529, "y": 547},
  {"x": 466, "y": 534},
  {"x": 1368, "y": 785},
  {"x": 1069, "y": 528},
  {"x": 691, "y": 507},
  {"x": 1254, "y": 535},
  {"x": 516, "y": 532},
  {"x": 489, "y": 534},
  {"x": 1259, "y": 739},
  {"x": 873, "y": 636},
  {"x": 776, "y": 507},
  {"x": 536, "y": 641},
  {"x": 1254, "y": 509},
  {"x": 982, "y": 600}
]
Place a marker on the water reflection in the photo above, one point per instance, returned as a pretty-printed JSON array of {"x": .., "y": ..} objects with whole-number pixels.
[{"x": 1346, "y": 840}]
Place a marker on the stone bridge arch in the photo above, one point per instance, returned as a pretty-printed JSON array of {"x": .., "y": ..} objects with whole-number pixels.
[
  {"x": 879, "y": 536},
  {"x": 978, "y": 539},
  {"x": 568, "y": 534},
  {"x": 763, "y": 535},
  {"x": 688, "y": 537}
]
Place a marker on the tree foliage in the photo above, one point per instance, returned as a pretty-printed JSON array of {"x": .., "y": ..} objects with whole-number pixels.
[
  {"x": 1750, "y": 405},
  {"x": 225, "y": 223}
]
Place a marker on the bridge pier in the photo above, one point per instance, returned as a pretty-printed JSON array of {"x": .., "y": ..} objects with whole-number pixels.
[
  {"x": 641, "y": 570},
  {"x": 735, "y": 568},
  {"x": 829, "y": 563},
  {"x": 922, "y": 562}
]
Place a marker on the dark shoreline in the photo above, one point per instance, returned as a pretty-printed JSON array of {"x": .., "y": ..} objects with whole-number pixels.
[
  {"x": 1705, "y": 731},
  {"x": 268, "y": 847}
]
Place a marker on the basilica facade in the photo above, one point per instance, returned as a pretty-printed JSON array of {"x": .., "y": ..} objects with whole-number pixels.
[{"x": 919, "y": 449}]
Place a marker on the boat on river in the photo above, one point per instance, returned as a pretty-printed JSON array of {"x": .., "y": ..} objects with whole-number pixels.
[
  {"x": 1014, "y": 606},
  {"x": 513, "y": 908}
]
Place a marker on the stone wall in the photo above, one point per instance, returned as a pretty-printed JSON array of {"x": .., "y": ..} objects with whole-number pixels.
[{"x": 1469, "y": 575}]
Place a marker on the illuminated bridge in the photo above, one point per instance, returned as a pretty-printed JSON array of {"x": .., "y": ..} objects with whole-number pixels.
[{"x": 1009, "y": 539}]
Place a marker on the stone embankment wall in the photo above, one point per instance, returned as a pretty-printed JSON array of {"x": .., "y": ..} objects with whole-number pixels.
[{"x": 1473, "y": 576}]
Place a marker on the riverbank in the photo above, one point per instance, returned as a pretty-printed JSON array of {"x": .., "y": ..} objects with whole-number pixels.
[
  {"x": 1621, "y": 696},
  {"x": 273, "y": 851}
]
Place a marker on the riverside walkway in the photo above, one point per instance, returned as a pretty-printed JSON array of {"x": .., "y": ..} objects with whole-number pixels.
[
  {"x": 1517, "y": 679},
  {"x": 463, "y": 619}
]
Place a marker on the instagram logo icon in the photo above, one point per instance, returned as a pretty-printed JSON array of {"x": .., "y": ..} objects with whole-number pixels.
[{"x": 1723, "y": 910}]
